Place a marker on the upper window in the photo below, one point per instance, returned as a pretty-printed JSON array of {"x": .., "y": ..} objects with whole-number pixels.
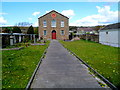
[
  {"x": 62, "y": 32},
  {"x": 44, "y": 23},
  {"x": 53, "y": 23},
  {"x": 62, "y": 23},
  {"x": 45, "y": 32}
]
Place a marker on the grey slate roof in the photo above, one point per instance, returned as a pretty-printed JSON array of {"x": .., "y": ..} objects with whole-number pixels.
[
  {"x": 111, "y": 26},
  {"x": 87, "y": 29}
]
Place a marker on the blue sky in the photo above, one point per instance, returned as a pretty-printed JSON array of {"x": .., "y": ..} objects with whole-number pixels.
[{"x": 80, "y": 13}]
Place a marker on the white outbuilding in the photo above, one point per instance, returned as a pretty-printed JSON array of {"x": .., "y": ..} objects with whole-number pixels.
[{"x": 110, "y": 35}]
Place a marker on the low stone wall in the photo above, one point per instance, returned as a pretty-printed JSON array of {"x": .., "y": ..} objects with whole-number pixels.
[{"x": 91, "y": 37}]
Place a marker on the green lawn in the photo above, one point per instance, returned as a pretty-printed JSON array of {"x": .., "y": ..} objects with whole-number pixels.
[
  {"x": 102, "y": 58},
  {"x": 19, "y": 65}
]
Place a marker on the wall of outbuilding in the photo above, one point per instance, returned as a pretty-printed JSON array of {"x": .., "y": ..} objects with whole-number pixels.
[{"x": 110, "y": 37}]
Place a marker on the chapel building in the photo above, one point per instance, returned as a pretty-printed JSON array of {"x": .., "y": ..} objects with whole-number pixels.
[{"x": 53, "y": 25}]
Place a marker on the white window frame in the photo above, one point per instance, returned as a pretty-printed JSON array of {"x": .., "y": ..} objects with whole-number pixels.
[
  {"x": 62, "y": 23},
  {"x": 44, "y": 33},
  {"x": 44, "y": 23},
  {"x": 62, "y": 31},
  {"x": 53, "y": 24}
]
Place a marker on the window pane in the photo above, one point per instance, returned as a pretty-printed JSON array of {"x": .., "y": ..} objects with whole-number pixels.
[
  {"x": 45, "y": 32},
  {"x": 53, "y": 23},
  {"x": 44, "y": 23},
  {"x": 62, "y": 23},
  {"x": 62, "y": 32}
]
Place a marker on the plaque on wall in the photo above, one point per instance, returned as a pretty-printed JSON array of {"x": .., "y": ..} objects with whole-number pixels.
[{"x": 53, "y": 15}]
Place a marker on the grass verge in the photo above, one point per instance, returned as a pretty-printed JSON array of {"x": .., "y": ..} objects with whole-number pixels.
[
  {"x": 18, "y": 65},
  {"x": 103, "y": 58}
]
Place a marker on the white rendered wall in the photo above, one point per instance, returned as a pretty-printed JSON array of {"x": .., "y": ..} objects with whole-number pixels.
[{"x": 112, "y": 38}]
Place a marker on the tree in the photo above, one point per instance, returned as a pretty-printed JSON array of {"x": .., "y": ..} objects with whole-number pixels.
[
  {"x": 36, "y": 30},
  {"x": 72, "y": 28},
  {"x": 96, "y": 28},
  {"x": 16, "y": 30},
  {"x": 6, "y": 30},
  {"x": 30, "y": 30}
]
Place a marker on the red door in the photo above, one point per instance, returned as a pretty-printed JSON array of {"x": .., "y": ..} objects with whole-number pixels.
[{"x": 54, "y": 35}]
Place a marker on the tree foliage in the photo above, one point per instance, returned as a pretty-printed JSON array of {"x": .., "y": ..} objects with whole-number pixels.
[
  {"x": 30, "y": 30},
  {"x": 16, "y": 30},
  {"x": 36, "y": 31},
  {"x": 6, "y": 30},
  {"x": 72, "y": 27},
  {"x": 96, "y": 28}
]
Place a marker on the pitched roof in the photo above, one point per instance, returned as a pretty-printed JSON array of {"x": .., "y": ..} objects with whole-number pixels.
[
  {"x": 53, "y": 11},
  {"x": 111, "y": 26},
  {"x": 87, "y": 29}
]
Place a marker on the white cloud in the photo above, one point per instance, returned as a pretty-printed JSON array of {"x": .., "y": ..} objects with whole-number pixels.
[
  {"x": 47, "y": 11},
  {"x": 68, "y": 13},
  {"x": 102, "y": 0},
  {"x": 35, "y": 24},
  {"x": 29, "y": 18},
  {"x": 36, "y": 13},
  {"x": 2, "y": 21},
  {"x": 105, "y": 16},
  {"x": 2, "y": 13}
]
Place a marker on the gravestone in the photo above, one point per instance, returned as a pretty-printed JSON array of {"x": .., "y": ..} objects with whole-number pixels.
[
  {"x": 19, "y": 38},
  {"x": 30, "y": 37},
  {"x": 34, "y": 38},
  {"x": 11, "y": 40},
  {"x": 14, "y": 39}
]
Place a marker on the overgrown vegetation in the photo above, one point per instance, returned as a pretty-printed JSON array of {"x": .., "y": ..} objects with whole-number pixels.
[
  {"x": 18, "y": 65},
  {"x": 16, "y": 30},
  {"x": 30, "y": 30},
  {"x": 104, "y": 59}
]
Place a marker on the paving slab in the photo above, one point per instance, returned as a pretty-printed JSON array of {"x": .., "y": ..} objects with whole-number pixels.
[{"x": 59, "y": 69}]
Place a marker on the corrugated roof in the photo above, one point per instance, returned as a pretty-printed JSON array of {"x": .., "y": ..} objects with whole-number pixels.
[{"x": 111, "y": 26}]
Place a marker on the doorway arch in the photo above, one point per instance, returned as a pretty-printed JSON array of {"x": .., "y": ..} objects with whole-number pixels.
[{"x": 53, "y": 34}]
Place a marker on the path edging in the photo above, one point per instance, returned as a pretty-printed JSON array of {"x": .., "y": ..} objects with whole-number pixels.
[{"x": 35, "y": 71}]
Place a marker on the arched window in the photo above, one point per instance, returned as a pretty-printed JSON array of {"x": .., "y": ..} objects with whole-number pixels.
[
  {"x": 62, "y": 32},
  {"x": 44, "y": 32},
  {"x": 53, "y": 23},
  {"x": 62, "y": 23},
  {"x": 44, "y": 23}
]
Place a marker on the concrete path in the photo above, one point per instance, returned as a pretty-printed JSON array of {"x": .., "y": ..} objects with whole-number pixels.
[{"x": 59, "y": 69}]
